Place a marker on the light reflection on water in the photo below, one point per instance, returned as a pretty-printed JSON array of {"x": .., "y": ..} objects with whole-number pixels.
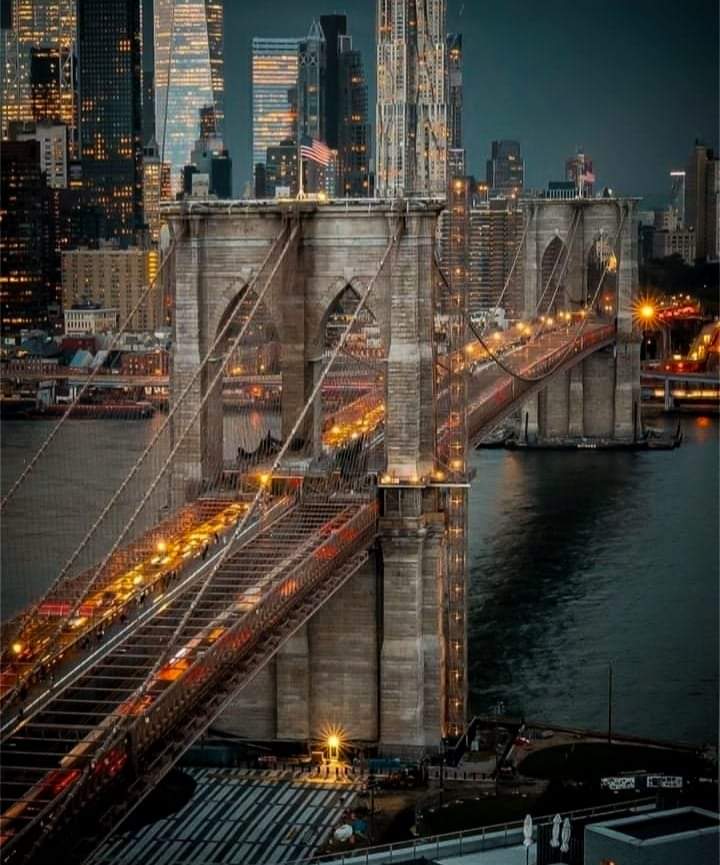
[{"x": 582, "y": 558}]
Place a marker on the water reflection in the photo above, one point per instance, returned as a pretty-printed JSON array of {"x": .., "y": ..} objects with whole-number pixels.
[{"x": 581, "y": 558}]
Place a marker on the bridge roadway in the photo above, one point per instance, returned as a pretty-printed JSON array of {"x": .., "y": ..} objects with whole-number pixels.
[{"x": 83, "y": 744}]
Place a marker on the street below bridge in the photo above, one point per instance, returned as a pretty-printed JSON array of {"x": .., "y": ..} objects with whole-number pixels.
[{"x": 239, "y": 816}]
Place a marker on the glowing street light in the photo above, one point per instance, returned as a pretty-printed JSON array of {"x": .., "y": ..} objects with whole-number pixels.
[
  {"x": 161, "y": 546},
  {"x": 647, "y": 312},
  {"x": 17, "y": 648},
  {"x": 333, "y": 745}
]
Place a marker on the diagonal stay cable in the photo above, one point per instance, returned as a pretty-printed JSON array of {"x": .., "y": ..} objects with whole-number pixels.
[
  {"x": 87, "y": 383},
  {"x": 171, "y": 642},
  {"x": 565, "y": 259},
  {"x": 571, "y": 343},
  {"x": 156, "y": 480}
]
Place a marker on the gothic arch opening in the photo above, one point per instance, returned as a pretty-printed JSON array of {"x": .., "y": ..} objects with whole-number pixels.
[
  {"x": 252, "y": 383},
  {"x": 353, "y": 402},
  {"x": 602, "y": 267},
  {"x": 552, "y": 294}
]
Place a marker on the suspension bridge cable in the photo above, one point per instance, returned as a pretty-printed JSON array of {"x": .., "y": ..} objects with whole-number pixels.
[
  {"x": 97, "y": 572},
  {"x": 571, "y": 344},
  {"x": 289, "y": 439},
  {"x": 92, "y": 375}
]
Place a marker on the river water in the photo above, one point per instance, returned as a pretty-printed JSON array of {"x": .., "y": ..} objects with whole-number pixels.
[{"x": 577, "y": 559}]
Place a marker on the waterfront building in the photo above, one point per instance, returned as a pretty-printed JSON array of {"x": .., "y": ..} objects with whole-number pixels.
[
  {"x": 274, "y": 94},
  {"x": 90, "y": 319},
  {"x": 26, "y": 245},
  {"x": 353, "y": 134},
  {"x": 505, "y": 168},
  {"x": 53, "y": 152},
  {"x": 111, "y": 111},
  {"x": 37, "y": 59},
  {"x": 189, "y": 78},
  {"x": 114, "y": 278},
  {"x": 411, "y": 122}
]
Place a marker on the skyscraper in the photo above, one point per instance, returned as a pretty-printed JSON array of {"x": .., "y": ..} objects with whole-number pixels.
[
  {"x": 701, "y": 200},
  {"x": 111, "y": 111},
  {"x": 353, "y": 136},
  {"x": 677, "y": 194},
  {"x": 38, "y": 24},
  {"x": 26, "y": 245},
  {"x": 274, "y": 94},
  {"x": 311, "y": 84},
  {"x": 456, "y": 151},
  {"x": 505, "y": 168},
  {"x": 454, "y": 90},
  {"x": 334, "y": 28},
  {"x": 189, "y": 77},
  {"x": 411, "y": 153}
]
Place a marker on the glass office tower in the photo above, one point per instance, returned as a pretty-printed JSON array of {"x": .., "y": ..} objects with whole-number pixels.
[
  {"x": 189, "y": 77},
  {"x": 111, "y": 111},
  {"x": 274, "y": 94}
]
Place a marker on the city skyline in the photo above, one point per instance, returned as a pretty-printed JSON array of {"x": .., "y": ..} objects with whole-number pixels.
[{"x": 642, "y": 65}]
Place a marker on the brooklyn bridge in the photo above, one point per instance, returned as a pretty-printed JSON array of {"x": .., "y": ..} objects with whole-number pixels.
[{"x": 303, "y": 568}]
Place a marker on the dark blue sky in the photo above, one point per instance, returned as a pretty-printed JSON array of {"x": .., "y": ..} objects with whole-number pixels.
[{"x": 634, "y": 82}]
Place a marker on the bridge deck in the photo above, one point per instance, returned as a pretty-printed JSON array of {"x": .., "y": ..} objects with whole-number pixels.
[{"x": 73, "y": 739}]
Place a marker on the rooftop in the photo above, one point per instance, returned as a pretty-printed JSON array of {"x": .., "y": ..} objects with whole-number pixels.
[{"x": 665, "y": 823}]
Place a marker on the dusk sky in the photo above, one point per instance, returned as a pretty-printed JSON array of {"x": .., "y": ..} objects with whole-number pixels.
[{"x": 634, "y": 82}]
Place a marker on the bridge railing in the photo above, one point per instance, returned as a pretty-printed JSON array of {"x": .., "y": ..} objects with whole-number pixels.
[
  {"x": 256, "y": 624},
  {"x": 117, "y": 742},
  {"x": 491, "y": 402},
  {"x": 469, "y": 841}
]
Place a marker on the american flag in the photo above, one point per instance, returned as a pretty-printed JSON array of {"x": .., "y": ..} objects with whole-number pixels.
[
  {"x": 587, "y": 177},
  {"x": 317, "y": 151}
]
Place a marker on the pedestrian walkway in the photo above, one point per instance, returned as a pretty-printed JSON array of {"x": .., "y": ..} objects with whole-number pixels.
[{"x": 239, "y": 817}]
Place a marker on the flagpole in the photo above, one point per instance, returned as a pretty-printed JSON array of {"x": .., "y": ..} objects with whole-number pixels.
[{"x": 301, "y": 191}]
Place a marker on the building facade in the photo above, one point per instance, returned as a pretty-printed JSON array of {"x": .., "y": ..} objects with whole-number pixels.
[
  {"x": 701, "y": 201},
  {"x": 281, "y": 170},
  {"x": 311, "y": 85},
  {"x": 411, "y": 117},
  {"x": 53, "y": 141},
  {"x": 48, "y": 28},
  {"x": 334, "y": 28},
  {"x": 90, "y": 319},
  {"x": 189, "y": 77},
  {"x": 495, "y": 232},
  {"x": 454, "y": 90},
  {"x": 155, "y": 188},
  {"x": 114, "y": 278},
  {"x": 274, "y": 94},
  {"x": 505, "y": 168},
  {"x": 26, "y": 244},
  {"x": 353, "y": 135},
  {"x": 111, "y": 111}
]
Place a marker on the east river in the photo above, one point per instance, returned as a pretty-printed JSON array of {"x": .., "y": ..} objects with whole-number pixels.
[{"x": 577, "y": 559}]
